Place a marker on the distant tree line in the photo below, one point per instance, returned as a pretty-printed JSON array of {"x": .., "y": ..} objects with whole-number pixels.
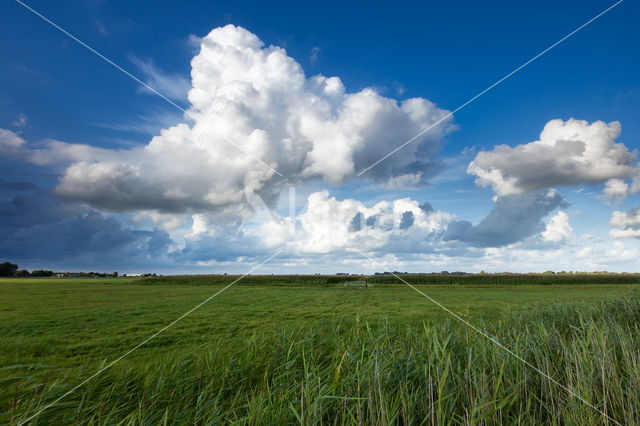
[
  {"x": 423, "y": 273},
  {"x": 86, "y": 274},
  {"x": 8, "y": 269}
]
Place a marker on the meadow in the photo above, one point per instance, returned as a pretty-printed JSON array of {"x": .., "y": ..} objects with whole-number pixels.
[{"x": 307, "y": 350}]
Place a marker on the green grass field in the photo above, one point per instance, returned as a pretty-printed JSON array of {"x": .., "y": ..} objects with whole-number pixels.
[{"x": 279, "y": 350}]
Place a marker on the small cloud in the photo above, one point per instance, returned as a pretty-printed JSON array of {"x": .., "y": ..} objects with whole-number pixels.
[
  {"x": 20, "y": 122},
  {"x": 625, "y": 224},
  {"x": 173, "y": 86},
  {"x": 11, "y": 144},
  {"x": 616, "y": 190},
  {"x": 34, "y": 74},
  {"x": 633, "y": 93},
  {"x": 469, "y": 150},
  {"x": 403, "y": 181},
  {"x": 101, "y": 28},
  {"x": 558, "y": 229},
  {"x": 150, "y": 123},
  {"x": 588, "y": 236},
  {"x": 313, "y": 58},
  {"x": 200, "y": 226},
  {"x": 398, "y": 88},
  {"x": 194, "y": 42}
]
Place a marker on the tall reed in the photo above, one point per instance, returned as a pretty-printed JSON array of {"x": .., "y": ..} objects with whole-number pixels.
[{"x": 354, "y": 372}]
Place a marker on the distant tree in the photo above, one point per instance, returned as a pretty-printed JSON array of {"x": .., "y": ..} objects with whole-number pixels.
[
  {"x": 7, "y": 269},
  {"x": 115, "y": 274},
  {"x": 22, "y": 273},
  {"x": 41, "y": 273}
]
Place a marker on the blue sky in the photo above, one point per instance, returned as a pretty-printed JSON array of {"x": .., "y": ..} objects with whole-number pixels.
[{"x": 442, "y": 53}]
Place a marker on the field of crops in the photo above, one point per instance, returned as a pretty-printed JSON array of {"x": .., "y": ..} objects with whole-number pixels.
[{"x": 295, "y": 349}]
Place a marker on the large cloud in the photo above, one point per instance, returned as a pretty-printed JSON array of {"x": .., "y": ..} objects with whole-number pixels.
[
  {"x": 260, "y": 99},
  {"x": 568, "y": 153},
  {"x": 524, "y": 179}
]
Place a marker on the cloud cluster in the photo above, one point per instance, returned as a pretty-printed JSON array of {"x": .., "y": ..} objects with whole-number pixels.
[
  {"x": 524, "y": 179},
  {"x": 249, "y": 101},
  {"x": 626, "y": 224},
  {"x": 568, "y": 153},
  {"x": 330, "y": 225},
  {"x": 259, "y": 99}
]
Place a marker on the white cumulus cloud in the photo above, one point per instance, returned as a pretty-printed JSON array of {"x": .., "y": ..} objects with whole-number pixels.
[
  {"x": 558, "y": 229},
  {"x": 259, "y": 98},
  {"x": 616, "y": 189},
  {"x": 567, "y": 153},
  {"x": 625, "y": 224},
  {"x": 10, "y": 143},
  {"x": 330, "y": 225}
]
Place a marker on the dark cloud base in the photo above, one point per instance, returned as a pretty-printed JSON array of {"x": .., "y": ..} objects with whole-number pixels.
[
  {"x": 37, "y": 230},
  {"x": 513, "y": 218}
]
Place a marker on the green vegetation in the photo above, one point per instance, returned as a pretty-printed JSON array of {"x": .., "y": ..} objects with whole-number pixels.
[
  {"x": 387, "y": 279},
  {"x": 8, "y": 269},
  {"x": 311, "y": 350}
]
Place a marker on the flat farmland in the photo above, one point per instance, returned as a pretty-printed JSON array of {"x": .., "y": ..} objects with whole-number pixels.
[{"x": 282, "y": 351}]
